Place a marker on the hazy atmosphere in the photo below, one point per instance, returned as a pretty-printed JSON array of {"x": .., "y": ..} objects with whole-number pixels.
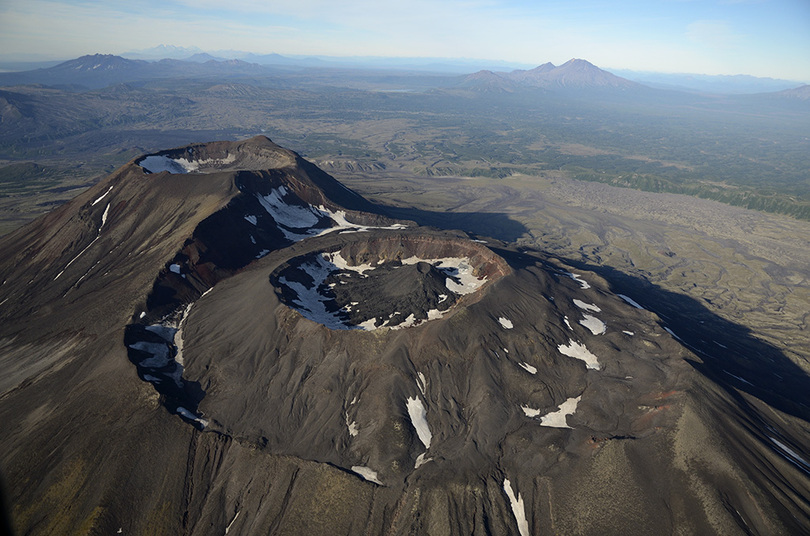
[{"x": 767, "y": 38}]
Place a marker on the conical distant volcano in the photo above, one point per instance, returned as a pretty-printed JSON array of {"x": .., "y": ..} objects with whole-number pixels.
[{"x": 221, "y": 338}]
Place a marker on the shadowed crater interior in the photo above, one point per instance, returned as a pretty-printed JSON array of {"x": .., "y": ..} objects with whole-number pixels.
[{"x": 393, "y": 282}]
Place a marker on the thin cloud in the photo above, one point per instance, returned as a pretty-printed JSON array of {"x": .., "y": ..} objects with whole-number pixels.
[{"x": 712, "y": 33}]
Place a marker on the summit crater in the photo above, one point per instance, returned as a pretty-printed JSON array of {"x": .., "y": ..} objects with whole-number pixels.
[{"x": 189, "y": 326}]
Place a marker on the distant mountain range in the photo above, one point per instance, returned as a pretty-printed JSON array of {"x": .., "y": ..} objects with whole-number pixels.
[
  {"x": 573, "y": 74},
  {"x": 103, "y": 70},
  {"x": 724, "y": 84}
]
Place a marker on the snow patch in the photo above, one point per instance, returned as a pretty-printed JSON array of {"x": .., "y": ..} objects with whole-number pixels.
[
  {"x": 158, "y": 163},
  {"x": 421, "y": 460},
  {"x": 530, "y": 412},
  {"x": 352, "y": 426},
  {"x": 418, "y": 415},
  {"x": 254, "y": 220},
  {"x": 342, "y": 264},
  {"x": 298, "y": 222},
  {"x": 505, "y": 323},
  {"x": 460, "y": 280},
  {"x": 630, "y": 333},
  {"x": 175, "y": 268},
  {"x": 518, "y": 508},
  {"x": 567, "y": 323},
  {"x": 582, "y": 283},
  {"x": 191, "y": 416},
  {"x": 366, "y": 473},
  {"x": 556, "y": 419},
  {"x": 579, "y": 351},
  {"x": 596, "y": 326},
  {"x": 587, "y": 306}
]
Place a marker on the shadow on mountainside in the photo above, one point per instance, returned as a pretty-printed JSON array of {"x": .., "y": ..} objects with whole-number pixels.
[
  {"x": 732, "y": 356},
  {"x": 495, "y": 224}
]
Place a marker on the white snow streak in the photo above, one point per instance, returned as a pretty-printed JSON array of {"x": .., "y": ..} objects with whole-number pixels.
[
  {"x": 104, "y": 217},
  {"x": 98, "y": 200},
  {"x": 737, "y": 377},
  {"x": 103, "y": 221},
  {"x": 630, "y": 301},
  {"x": 529, "y": 368},
  {"x": 672, "y": 333},
  {"x": 518, "y": 508},
  {"x": 228, "y": 528},
  {"x": 418, "y": 416},
  {"x": 366, "y": 473},
  {"x": 421, "y": 383},
  {"x": 790, "y": 454}
]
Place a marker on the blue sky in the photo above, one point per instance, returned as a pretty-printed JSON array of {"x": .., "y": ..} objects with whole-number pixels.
[{"x": 756, "y": 37}]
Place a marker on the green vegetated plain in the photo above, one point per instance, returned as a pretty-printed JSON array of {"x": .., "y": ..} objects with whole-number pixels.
[{"x": 750, "y": 151}]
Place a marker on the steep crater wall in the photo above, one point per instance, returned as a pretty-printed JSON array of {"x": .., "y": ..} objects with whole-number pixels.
[{"x": 394, "y": 281}]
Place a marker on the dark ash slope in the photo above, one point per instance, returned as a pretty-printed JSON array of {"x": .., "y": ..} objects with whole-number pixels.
[{"x": 156, "y": 382}]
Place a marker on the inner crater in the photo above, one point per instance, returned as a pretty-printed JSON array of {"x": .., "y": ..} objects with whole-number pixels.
[{"x": 392, "y": 282}]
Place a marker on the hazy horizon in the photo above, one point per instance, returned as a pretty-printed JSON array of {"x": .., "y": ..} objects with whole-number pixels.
[{"x": 762, "y": 38}]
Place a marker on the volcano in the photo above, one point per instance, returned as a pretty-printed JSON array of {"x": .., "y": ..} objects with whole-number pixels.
[{"x": 222, "y": 338}]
